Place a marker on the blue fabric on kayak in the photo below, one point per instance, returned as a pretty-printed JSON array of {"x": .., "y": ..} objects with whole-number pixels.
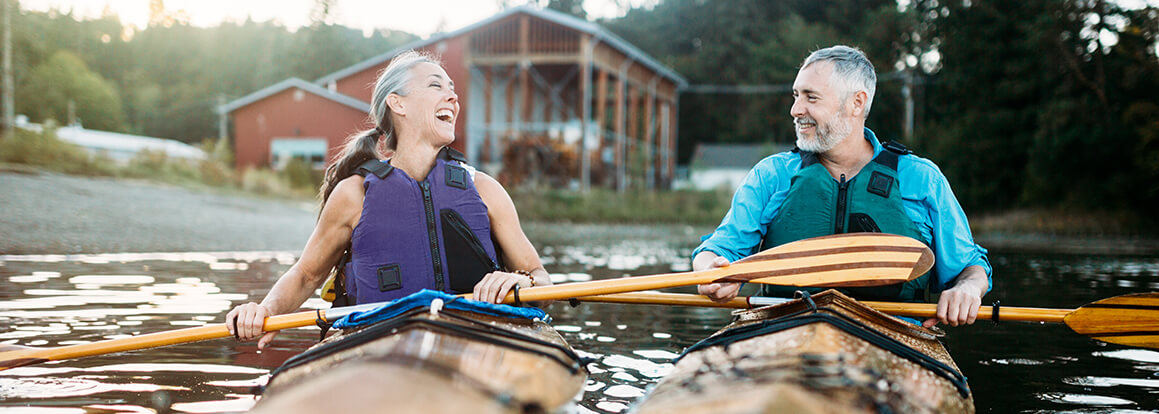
[{"x": 423, "y": 298}]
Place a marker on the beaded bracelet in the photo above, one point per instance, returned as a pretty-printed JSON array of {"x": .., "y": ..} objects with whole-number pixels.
[{"x": 526, "y": 273}]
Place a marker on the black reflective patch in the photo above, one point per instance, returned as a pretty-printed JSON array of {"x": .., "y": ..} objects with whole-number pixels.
[
  {"x": 389, "y": 278},
  {"x": 456, "y": 177},
  {"x": 880, "y": 184}
]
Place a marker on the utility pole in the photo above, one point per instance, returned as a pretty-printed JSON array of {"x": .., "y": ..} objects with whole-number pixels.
[
  {"x": 907, "y": 92},
  {"x": 9, "y": 88},
  {"x": 221, "y": 120}
]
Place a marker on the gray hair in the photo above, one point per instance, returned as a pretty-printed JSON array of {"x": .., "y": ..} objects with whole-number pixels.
[
  {"x": 851, "y": 69},
  {"x": 393, "y": 80},
  {"x": 362, "y": 146}
]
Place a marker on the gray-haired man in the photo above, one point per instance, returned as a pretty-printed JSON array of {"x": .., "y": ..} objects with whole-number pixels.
[{"x": 841, "y": 179}]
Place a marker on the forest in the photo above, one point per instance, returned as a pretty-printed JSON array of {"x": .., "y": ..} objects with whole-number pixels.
[{"x": 1023, "y": 104}]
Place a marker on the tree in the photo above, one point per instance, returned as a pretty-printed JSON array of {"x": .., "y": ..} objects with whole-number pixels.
[{"x": 63, "y": 78}]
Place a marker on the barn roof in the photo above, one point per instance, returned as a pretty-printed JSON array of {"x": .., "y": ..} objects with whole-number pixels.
[
  {"x": 294, "y": 83},
  {"x": 563, "y": 19}
]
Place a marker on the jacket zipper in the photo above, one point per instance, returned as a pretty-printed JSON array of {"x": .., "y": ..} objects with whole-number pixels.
[
  {"x": 842, "y": 188},
  {"x": 460, "y": 226},
  {"x": 432, "y": 233}
]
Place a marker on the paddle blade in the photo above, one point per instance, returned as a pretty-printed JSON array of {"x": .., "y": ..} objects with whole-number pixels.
[
  {"x": 841, "y": 260},
  {"x": 1131, "y": 320},
  {"x": 12, "y": 356}
]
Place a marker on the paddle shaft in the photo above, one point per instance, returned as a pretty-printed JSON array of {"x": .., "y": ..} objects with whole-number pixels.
[
  {"x": 913, "y": 310},
  {"x": 14, "y": 356}
]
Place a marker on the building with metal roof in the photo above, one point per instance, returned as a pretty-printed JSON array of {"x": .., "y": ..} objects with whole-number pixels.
[{"x": 545, "y": 97}]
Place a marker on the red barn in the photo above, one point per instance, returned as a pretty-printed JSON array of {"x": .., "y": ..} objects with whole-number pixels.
[{"x": 546, "y": 98}]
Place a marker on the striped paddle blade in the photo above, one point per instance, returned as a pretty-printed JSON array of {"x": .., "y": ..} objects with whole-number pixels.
[
  {"x": 842, "y": 260},
  {"x": 1131, "y": 320},
  {"x": 854, "y": 259}
]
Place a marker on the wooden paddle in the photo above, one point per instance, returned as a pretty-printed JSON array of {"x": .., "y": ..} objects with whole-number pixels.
[
  {"x": 1131, "y": 320},
  {"x": 842, "y": 260},
  {"x": 857, "y": 259}
]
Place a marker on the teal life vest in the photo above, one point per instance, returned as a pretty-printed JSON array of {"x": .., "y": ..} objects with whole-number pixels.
[{"x": 818, "y": 205}]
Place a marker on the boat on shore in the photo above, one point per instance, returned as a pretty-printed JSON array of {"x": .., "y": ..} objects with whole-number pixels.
[
  {"x": 432, "y": 359},
  {"x": 824, "y": 353}
]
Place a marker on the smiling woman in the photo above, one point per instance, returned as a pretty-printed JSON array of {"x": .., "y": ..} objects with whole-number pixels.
[{"x": 402, "y": 212}]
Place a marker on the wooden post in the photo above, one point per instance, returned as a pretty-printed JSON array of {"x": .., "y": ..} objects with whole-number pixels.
[
  {"x": 649, "y": 134},
  {"x": 665, "y": 137},
  {"x": 524, "y": 82},
  {"x": 587, "y": 44},
  {"x": 618, "y": 158},
  {"x": 633, "y": 136},
  {"x": 673, "y": 134},
  {"x": 601, "y": 111},
  {"x": 488, "y": 84}
]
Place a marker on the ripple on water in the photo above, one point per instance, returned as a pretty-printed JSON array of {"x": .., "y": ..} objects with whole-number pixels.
[
  {"x": 612, "y": 406},
  {"x": 1111, "y": 382},
  {"x": 145, "y": 368},
  {"x": 1084, "y": 399},
  {"x": 656, "y": 354},
  {"x": 1019, "y": 361},
  {"x": 623, "y": 391},
  {"x": 39, "y": 387},
  {"x": 644, "y": 367},
  {"x": 111, "y": 279},
  {"x": 1137, "y": 355},
  {"x": 35, "y": 277},
  {"x": 237, "y": 404}
]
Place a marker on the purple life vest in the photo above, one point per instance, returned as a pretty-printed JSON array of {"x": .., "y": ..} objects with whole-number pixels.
[{"x": 412, "y": 235}]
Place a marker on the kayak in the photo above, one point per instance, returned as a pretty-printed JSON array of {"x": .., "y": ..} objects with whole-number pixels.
[
  {"x": 824, "y": 353},
  {"x": 431, "y": 358}
]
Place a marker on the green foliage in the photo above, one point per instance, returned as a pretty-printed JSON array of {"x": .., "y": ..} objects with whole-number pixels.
[
  {"x": 49, "y": 88},
  {"x": 301, "y": 175},
  {"x": 44, "y": 150},
  {"x": 1032, "y": 109},
  {"x": 171, "y": 74},
  {"x": 264, "y": 182}
]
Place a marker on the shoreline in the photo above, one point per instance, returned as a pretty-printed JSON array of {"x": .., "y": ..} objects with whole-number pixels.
[{"x": 51, "y": 213}]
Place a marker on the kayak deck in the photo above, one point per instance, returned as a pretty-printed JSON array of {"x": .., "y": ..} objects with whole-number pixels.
[
  {"x": 828, "y": 354},
  {"x": 449, "y": 361}
]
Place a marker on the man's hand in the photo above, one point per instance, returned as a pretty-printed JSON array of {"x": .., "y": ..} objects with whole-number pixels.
[
  {"x": 959, "y": 305},
  {"x": 718, "y": 292}
]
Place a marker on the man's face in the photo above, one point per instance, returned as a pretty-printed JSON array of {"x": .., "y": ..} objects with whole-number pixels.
[{"x": 819, "y": 110}]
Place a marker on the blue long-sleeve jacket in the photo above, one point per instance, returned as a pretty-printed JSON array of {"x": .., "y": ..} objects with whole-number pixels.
[{"x": 925, "y": 193}]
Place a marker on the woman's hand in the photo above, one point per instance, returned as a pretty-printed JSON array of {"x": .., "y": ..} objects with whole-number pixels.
[
  {"x": 495, "y": 286},
  {"x": 246, "y": 322}
]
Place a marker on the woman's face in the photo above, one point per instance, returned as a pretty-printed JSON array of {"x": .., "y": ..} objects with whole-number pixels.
[{"x": 431, "y": 106}]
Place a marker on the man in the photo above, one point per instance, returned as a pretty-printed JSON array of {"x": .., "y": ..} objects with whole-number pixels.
[{"x": 841, "y": 179}]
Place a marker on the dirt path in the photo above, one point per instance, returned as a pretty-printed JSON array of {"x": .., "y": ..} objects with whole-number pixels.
[{"x": 46, "y": 213}]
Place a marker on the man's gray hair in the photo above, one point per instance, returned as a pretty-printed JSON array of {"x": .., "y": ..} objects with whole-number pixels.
[{"x": 853, "y": 71}]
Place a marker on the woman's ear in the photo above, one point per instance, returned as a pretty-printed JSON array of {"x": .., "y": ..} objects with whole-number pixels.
[{"x": 394, "y": 101}]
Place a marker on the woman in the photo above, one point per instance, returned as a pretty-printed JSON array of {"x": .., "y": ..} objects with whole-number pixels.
[{"x": 422, "y": 219}]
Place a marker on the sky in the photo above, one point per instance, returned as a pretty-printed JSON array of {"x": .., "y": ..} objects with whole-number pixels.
[{"x": 420, "y": 17}]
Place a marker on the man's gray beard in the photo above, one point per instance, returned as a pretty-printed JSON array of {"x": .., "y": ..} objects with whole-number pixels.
[{"x": 828, "y": 136}]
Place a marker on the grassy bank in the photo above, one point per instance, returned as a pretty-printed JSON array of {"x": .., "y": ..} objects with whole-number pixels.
[
  {"x": 609, "y": 206},
  {"x": 44, "y": 151}
]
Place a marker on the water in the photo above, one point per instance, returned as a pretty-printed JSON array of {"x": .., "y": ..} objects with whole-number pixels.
[{"x": 60, "y": 300}]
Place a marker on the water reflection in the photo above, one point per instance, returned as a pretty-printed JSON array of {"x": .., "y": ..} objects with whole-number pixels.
[{"x": 53, "y": 300}]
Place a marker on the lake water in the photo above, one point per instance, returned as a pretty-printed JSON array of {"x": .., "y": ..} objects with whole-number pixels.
[{"x": 59, "y": 300}]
